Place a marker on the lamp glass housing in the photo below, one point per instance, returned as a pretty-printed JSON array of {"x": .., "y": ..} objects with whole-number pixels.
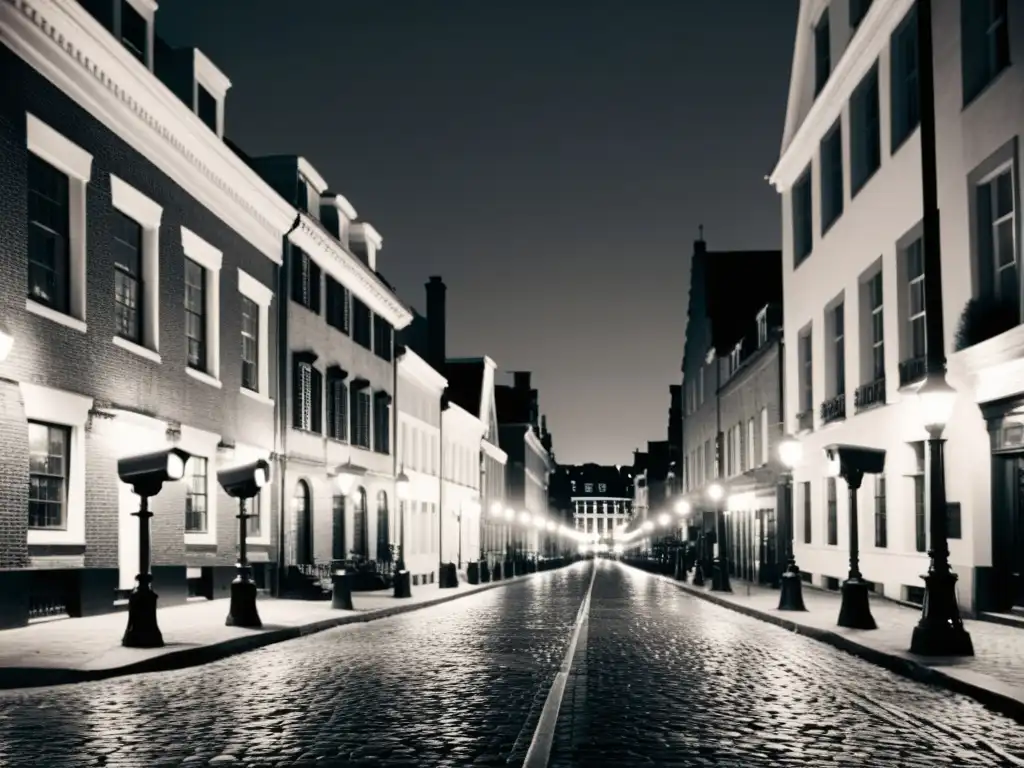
[
  {"x": 259, "y": 477},
  {"x": 175, "y": 466},
  {"x": 496, "y": 510},
  {"x": 664, "y": 520},
  {"x": 682, "y": 507},
  {"x": 510, "y": 514},
  {"x": 935, "y": 401},
  {"x": 648, "y": 525},
  {"x": 791, "y": 452},
  {"x": 402, "y": 486},
  {"x": 716, "y": 492}
]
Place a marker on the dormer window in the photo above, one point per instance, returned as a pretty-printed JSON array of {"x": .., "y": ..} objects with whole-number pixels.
[
  {"x": 206, "y": 107},
  {"x": 309, "y": 197},
  {"x": 134, "y": 32},
  {"x": 210, "y": 88},
  {"x": 734, "y": 358},
  {"x": 762, "y": 327}
]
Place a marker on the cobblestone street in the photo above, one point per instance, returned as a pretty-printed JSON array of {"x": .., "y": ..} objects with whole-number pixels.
[{"x": 659, "y": 677}]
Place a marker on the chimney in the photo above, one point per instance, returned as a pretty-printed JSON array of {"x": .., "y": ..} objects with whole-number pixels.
[
  {"x": 437, "y": 322},
  {"x": 521, "y": 379},
  {"x": 699, "y": 246},
  {"x": 544, "y": 423}
]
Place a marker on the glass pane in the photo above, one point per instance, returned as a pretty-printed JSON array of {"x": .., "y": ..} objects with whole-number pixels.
[
  {"x": 1005, "y": 253},
  {"x": 1004, "y": 194},
  {"x": 917, "y": 297},
  {"x": 1007, "y": 284},
  {"x": 915, "y": 260},
  {"x": 878, "y": 356},
  {"x": 917, "y": 337},
  {"x": 877, "y": 327}
]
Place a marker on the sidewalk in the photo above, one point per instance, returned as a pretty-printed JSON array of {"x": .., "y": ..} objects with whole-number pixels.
[
  {"x": 79, "y": 650},
  {"x": 994, "y": 676}
]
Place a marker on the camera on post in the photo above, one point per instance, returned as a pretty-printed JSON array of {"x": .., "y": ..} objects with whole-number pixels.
[
  {"x": 245, "y": 482},
  {"x": 147, "y": 472}
]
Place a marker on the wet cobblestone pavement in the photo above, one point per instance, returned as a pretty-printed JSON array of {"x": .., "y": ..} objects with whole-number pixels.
[
  {"x": 664, "y": 678},
  {"x": 461, "y": 684}
]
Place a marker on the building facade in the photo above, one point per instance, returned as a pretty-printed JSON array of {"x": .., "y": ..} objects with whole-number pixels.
[
  {"x": 601, "y": 498},
  {"x": 148, "y": 254},
  {"x": 461, "y": 435},
  {"x": 849, "y": 176},
  {"x": 418, "y": 404},
  {"x": 338, "y": 373}
]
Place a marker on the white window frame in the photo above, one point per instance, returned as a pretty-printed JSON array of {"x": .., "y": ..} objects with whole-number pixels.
[
  {"x": 147, "y": 10},
  {"x": 210, "y": 259},
  {"x": 74, "y": 162},
  {"x": 875, "y": 312},
  {"x": 148, "y": 215},
  {"x": 751, "y": 445},
  {"x": 734, "y": 357},
  {"x": 203, "y": 444},
  {"x": 65, "y": 409},
  {"x": 214, "y": 82},
  {"x": 764, "y": 436},
  {"x": 262, "y": 296},
  {"x": 762, "y": 327},
  {"x": 993, "y": 257},
  {"x": 911, "y": 282}
]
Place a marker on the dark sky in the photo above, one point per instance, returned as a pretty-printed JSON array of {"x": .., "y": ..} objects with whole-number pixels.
[{"x": 551, "y": 159}]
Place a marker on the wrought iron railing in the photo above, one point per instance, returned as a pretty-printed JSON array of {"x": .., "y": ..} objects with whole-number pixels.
[
  {"x": 869, "y": 395},
  {"x": 912, "y": 371},
  {"x": 833, "y": 409}
]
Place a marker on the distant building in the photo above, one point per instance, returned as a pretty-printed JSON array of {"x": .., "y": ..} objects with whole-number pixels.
[{"x": 601, "y": 497}]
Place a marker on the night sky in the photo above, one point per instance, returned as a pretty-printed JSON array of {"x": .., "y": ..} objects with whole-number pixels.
[{"x": 551, "y": 159}]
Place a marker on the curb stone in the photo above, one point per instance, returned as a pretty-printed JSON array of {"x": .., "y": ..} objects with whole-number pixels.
[
  {"x": 43, "y": 677},
  {"x": 1003, "y": 703}
]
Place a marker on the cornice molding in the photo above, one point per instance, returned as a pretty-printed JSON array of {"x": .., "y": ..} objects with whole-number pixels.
[
  {"x": 468, "y": 425},
  {"x": 420, "y": 371},
  {"x": 61, "y": 41},
  {"x": 494, "y": 451},
  {"x": 863, "y": 50},
  {"x": 333, "y": 259}
]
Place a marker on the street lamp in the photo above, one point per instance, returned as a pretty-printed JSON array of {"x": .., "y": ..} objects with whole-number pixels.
[
  {"x": 146, "y": 474},
  {"x": 720, "y": 567},
  {"x": 346, "y": 476},
  {"x": 940, "y": 632},
  {"x": 682, "y": 507},
  {"x": 244, "y": 483},
  {"x": 402, "y": 579},
  {"x": 791, "y": 594},
  {"x": 853, "y": 462}
]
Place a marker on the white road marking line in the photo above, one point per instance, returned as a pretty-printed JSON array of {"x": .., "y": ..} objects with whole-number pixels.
[{"x": 544, "y": 736}]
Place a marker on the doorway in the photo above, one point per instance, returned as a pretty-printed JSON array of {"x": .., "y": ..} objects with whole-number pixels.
[{"x": 303, "y": 524}]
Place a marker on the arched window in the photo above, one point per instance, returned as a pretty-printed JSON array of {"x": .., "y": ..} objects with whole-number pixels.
[
  {"x": 383, "y": 528},
  {"x": 302, "y": 505},
  {"x": 359, "y": 533},
  {"x": 338, "y": 528}
]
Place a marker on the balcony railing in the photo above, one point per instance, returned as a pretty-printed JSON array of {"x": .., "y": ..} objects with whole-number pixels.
[
  {"x": 833, "y": 409},
  {"x": 805, "y": 420},
  {"x": 912, "y": 371},
  {"x": 869, "y": 395}
]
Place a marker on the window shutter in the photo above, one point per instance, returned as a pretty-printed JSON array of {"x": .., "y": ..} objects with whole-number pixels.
[
  {"x": 297, "y": 258},
  {"x": 314, "y": 287},
  {"x": 317, "y": 400},
  {"x": 296, "y": 394},
  {"x": 973, "y": 34}
]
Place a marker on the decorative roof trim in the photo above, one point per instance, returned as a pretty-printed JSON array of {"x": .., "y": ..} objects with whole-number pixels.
[
  {"x": 61, "y": 41},
  {"x": 419, "y": 370},
  {"x": 333, "y": 259}
]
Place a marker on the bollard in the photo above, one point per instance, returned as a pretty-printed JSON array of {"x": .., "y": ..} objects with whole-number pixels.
[{"x": 341, "y": 592}]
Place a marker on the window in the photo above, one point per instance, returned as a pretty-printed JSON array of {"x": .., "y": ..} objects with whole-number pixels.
[
  {"x": 337, "y": 409},
  {"x": 361, "y": 323},
  {"x": 700, "y": 386},
  {"x": 308, "y": 397},
  {"x": 833, "y": 514},
  {"x": 250, "y": 344},
  {"x": 48, "y": 228},
  {"x": 382, "y": 422},
  {"x": 831, "y": 177},
  {"x": 806, "y": 373},
  {"x": 338, "y": 533},
  {"x": 202, "y": 308},
  {"x": 906, "y": 109},
  {"x": 57, "y": 174},
  {"x": 865, "y": 128},
  {"x": 196, "y": 519},
  {"x": 805, "y": 493},
  {"x": 135, "y": 226},
  {"x": 822, "y": 53},
  {"x": 839, "y": 349},
  {"x": 588, "y": 487},
  {"x": 206, "y": 107},
  {"x": 383, "y": 528},
  {"x": 305, "y": 274},
  {"x": 985, "y": 44},
  {"x": 309, "y": 197},
  {"x": 255, "y": 308},
  {"x": 915, "y": 299},
  {"x": 602, "y": 488},
  {"x": 382, "y": 338},
  {"x": 803, "y": 228},
  {"x": 858, "y": 10},
  {"x": 876, "y": 334},
  {"x": 765, "y": 442},
  {"x": 360, "y": 536},
  {"x": 734, "y": 358},
  {"x": 49, "y": 455},
  {"x": 134, "y": 31},
  {"x": 337, "y": 305},
  {"x": 195, "y": 314},
  {"x": 361, "y": 418},
  {"x": 997, "y": 248},
  {"x": 920, "y": 510},
  {"x": 881, "y": 527},
  {"x": 762, "y": 327},
  {"x": 254, "y": 523},
  {"x": 751, "y": 445}
]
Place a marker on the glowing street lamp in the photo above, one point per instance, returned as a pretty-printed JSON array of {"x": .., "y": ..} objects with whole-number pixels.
[
  {"x": 648, "y": 526},
  {"x": 791, "y": 595},
  {"x": 664, "y": 520},
  {"x": 720, "y": 567},
  {"x": 346, "y": 476},
  {"x": 510, "y": 514},
  {"x": 402, "y": 578},
  {"x": 244, "y": 483},
  {"x": 682, "y": 507},
  {"x": 496, "y": 510}
]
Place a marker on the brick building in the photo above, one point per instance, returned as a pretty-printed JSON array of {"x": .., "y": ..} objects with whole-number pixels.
[{"x": 148, "y": 254}]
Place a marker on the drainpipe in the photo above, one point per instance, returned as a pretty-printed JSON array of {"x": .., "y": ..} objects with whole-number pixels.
[
  {"x": 440, "y": 487},
  {"x": 394, "y": 451},
  {"x": 281, "y": 376}
]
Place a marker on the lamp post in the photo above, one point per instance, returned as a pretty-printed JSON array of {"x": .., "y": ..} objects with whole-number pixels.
[
  {"x": 402, "y": 579},
  {"x": 852, "y": 462},
  {"x": 244, "y": 483},
  {"x": 791, "y": 594},
  {"x": 720, "y": 567},
  {"x": 940, "y": 632},
  {"x": 146, "y": 474}
]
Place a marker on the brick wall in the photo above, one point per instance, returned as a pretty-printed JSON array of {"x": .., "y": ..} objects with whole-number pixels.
[{"x": 13, "y": 478}]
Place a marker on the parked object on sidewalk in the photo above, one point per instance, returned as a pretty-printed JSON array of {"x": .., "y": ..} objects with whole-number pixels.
[{"x": 244, "y": 483}]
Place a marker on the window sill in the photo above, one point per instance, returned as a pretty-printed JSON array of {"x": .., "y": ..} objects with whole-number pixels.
[
  {"x": 42, "y": 310},
  {"x": 46, "y": 536},
  {"x": 203, "y": 377},
  {"x": 137, "y": 349},
  {"x": 202, "y": 539},
  {"x": 262, "y": 399}
]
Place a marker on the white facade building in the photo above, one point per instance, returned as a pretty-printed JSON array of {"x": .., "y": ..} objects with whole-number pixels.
[
  {"x": 850, "y": 181},
  {"x": 419, "y": 451},
  {"x": 462, "y": 433}
]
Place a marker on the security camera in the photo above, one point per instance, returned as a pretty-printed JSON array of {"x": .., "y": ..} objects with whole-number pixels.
[
  {"x": 146, "y": 473},
  {"x": 245, "y": 481}
]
